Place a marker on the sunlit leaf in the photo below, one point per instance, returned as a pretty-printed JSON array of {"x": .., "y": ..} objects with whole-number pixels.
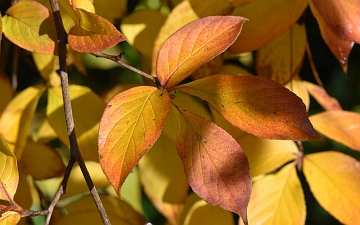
[
  {"x": 256, "y": 105},
  {"x": 131, "y": 191},
  {"x": 6, "y": 92},
  {"x": 268, "y": 20},
  {"x": 84, "y": 212},
  {"x": 298, "y": 86},
  {"x": 334, "y": 180},
  {"x": 210, "y": 68},
  {"x": 278, "y": 199},
  {"x": 9, "y": 175},
  {"x": 339, "y": 47},
  {"x": 86, "y": 5},
  {"x": 47, "y": 66},
  {"x": 30, "y": 25},
  {"x": 41, "y": 161},
  {"x": 16, "y": 119},
  {"x": 195, "y": 44},
  {"x": 341, "y": 126},
  {"x": 131, "y": 123},
  {"x": 9, "y": 218},
  {"x": 322, "y": 97},
  {"x": 93, "y": 33},
  {"x": 215, "y": 165},
  {"x": 111, "y": 10},
  {"x": 87, "y": 110},
  {"x": 163, "y": 178},
  {"x": 210, "y": 7},
  {"x": 281, "y": 59},
  {"x": 266, "y": 155}
]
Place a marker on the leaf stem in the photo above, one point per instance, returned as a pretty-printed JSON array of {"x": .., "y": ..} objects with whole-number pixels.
[
  {"x": 74, "y": 147},
  {"x": 312, "y": 65}
]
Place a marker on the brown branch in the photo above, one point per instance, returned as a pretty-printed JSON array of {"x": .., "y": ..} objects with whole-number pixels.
[
  {"x": 312, "y": 65},
  {"x": 74, "y": 147}
]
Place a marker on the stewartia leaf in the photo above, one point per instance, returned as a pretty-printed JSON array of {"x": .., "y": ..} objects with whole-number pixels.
[
  {"x": 215, "y": 165},
  {"x": 9, "y": 175},
  {"x": 195, "y": 44},
  {"x": 131, "y": 123},
  {"x": 256, "y": 105},
  {"x": 93, "y": 33},
  {"x": 334, "y": 179},
  {"x": 322, "y": 97},
  {"x": 341, "y": 126},
  {"x": 29, "y": 25}
]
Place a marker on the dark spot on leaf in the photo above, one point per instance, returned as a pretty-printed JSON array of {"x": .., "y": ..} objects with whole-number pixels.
[
  {"x": 234, "y": 165},
  {"x": 161, "y": 94},
  {"x": 198, "y": 137},
  {"x": 109, "y": 106}
]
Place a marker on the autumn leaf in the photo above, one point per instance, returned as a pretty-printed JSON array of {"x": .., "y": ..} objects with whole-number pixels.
[
  {"x": 9, "y": 175},
  {"x": 111, "y": 10},
  {"x": 131, "y": 123},
  {"x": 334, "y": 178},
  {"x": 281, "y": 59},
  {"x": 268, "y": 19},
  {"x": 341, "y": 126},
  {"x": 256, "y": 105},
  {"x": 86, "y": 5},
  {"x": 210, "y": 7},
  {"x": 93, "y": 33},
  {"x": 278, "y": 199},
  {"x": 195, "y": 44},
  {"x": 10, "y": 218},
  {"x": 298, "y": 87},
  {"x": 322, "y": 97},
  {"x": 214, "y": 163},
  {"x": 30, "y": 25}
]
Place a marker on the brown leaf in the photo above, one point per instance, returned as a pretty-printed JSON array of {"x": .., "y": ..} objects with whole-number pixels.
[
  {"x": 256, "y": 105},
  {"x": 195, "y": 44},
  {"x": 341, "y": 126},
  {"x": 322, "y": 97},
  {"x": 215, "y": 165}
]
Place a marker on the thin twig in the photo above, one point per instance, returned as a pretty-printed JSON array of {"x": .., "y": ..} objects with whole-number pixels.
[
  {"x": 74, "y": 147},
  {"x": 312, "y": 65}
]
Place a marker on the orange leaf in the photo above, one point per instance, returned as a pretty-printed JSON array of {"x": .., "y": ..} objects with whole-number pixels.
[
  {"x": 342, "y": 17},
  {"x": 93, "y": 33},
  {"x": 278, "y": 199},
  {"x": 9, "y": 175},
  {"x": 256, "y": 105},
  {"x": 29, "y": 25},
  {"x": 195, "y": 44},
  {"x": 341, "y": 126},
  {"x": 215, "y": 165},
  {"x": 339, "y": 47},
  {"x": 334, "y": 179},
  {"x": 322, "y": 97},
  {"x": 281, "y": 59},
  {"x": 268, "y": 19},
  {"x": 131, "y": 123}
]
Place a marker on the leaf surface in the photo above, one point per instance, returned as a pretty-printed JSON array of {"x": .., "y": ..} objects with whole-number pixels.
[
  {"x": 130, "y": 125},
  {"x": 111, "y": 10},
  {"x": 6, "y": 91},
  {"x": 93, "y": 33},
  {"x": 268, "y": 19},
  {"x": 298, "y": 86},
  {"x": 322, "y": 97},
  {"x": 341, "y": 126},
  {"x": 10, "y": 218},
  {"x": 278, "y": 199},
  {"x": 9, "y": 175},
  {"x": 30, "y": 25},
  {"x": 215, "y": 165},
  {"x": 281, "y": 59},
  {"x": 210, "y": 7},
  {"x": 86, "y": 5},
  {"x": 256, "y": 105},
  {"x": 334, "y": 179},
  {"x": 193, "y": 45}
]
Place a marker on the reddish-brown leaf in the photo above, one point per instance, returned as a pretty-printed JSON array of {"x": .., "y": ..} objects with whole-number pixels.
[
  {"x": 322, "y": 97},
  {"x": 215, "y": 165},
  {"x": 195, "y": 44},
  {"x": 256, "y": 105},
  {"x": 93, "y": 33},
  {"x": 339, "y": 47},
  {"x": 341, "y": 126},
  {"x": 131, "y": 123}
]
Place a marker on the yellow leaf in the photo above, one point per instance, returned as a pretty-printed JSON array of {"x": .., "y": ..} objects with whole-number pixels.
[
  {"x": 84, "y": 212},
  {"x": 6, "y": 92},
  {"x": 131, "y": 191},
  {"x": 322, "y": 97},
  {"x": 298, "y": 86},
  {"x": 210, "y": 7},
  {"x": 83, "y": 4},
  {"x": 111, "y": 10},
  {"x": 334, "y": 179},
  {"x": 9, "y": 175},
  {"x": 41, "y": 161},
  {"x": 268, "y": 19},
  {"x": 23, "y": 193},
  {"x": 47, "y": 66},
  {"x": 87, "y": 110},
  {"x": 45, "y": 133},
  {"x": 131, "y": 123},
  {"x": 93, "y": 33},
  {"x": 266, "y": 155},
  {"x": 341, "y": 126},
  {"x": 10, "y": 218},
  {"x": 281, "y": 59},
  {"x": 16, "y": 119},
  {"x": 30, "y": 25},
  {"x": 278, "y": 199}
]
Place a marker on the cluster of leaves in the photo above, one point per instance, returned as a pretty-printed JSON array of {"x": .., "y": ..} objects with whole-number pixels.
[{"x": 220, "y": 123}]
